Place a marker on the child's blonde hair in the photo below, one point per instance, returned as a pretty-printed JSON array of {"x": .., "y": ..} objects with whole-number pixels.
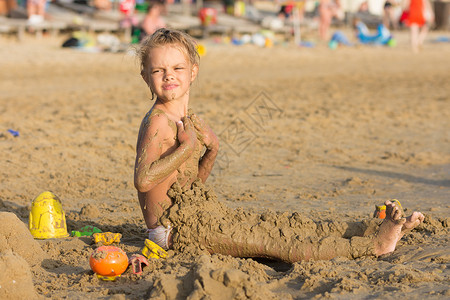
[{"x": 165, "y": 36}]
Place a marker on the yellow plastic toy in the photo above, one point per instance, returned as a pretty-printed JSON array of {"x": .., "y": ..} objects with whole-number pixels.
[
  {"x": 380, "y": 210},
  {"x": 47, "y": 218},
  {"x": 152, "y": 250},
  {"x": 107, "y": 238}
]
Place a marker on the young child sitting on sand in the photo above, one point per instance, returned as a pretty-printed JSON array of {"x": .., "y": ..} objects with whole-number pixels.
[{"x": 176, "y": 151}]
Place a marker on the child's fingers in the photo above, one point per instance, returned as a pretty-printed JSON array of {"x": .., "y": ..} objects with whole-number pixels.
[
  {"x": 198, "y": 123},
  {"x": 195, "y": 121},
  {"x": 186, "y": 122},
  {"x": 194, "y": 117},
  {"x": 180, "y": 126},
  {"x": 188, "y": 126}
]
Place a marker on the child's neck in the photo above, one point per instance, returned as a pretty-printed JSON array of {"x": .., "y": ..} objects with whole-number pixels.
[{"x": 175, "y": 110}]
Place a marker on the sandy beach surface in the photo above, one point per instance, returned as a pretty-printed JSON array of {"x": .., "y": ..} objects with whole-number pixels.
[{"x": 328, "y": 134}]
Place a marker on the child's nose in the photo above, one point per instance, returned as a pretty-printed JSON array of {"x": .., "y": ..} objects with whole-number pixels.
[{"x": 168, "y": 75}]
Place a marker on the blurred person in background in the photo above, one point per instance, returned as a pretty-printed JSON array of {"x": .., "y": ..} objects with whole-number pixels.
[{"x": 420, "y": 16}]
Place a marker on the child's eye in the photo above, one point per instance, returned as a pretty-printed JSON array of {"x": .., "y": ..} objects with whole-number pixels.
[
  {"x": 179, "y": 68},
  {"x": 156, "y": 71}
]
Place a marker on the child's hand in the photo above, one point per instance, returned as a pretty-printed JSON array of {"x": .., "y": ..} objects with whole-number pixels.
[
  {"x": 186, "y": 133},
  {"x": 205, "y": 134}
]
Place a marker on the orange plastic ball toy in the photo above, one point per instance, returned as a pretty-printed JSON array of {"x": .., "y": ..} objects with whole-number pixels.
[{"x": 108, "y": 261}]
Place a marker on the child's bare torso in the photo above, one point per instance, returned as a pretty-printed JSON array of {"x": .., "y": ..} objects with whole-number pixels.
[{"x": 185, "y": 174}]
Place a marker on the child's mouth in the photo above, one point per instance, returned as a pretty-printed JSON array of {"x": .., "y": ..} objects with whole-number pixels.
[{"x": 169, "y": 87}]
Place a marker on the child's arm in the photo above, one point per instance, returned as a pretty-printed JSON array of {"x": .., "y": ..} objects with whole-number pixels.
[
  {"x": 210, "y": 140},
  {"x": 150, "y": 168},
  {"x": 429, "y": 13},
  {"x": 206, "y": 163}
]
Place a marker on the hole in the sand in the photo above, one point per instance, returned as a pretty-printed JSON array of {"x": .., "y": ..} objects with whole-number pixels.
[{"x": 278, "y": 266}]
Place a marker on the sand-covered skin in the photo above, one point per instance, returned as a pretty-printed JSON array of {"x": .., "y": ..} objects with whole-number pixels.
[
  {"x": 200, "y": 220},
  {"x": 328, "y": 134}
]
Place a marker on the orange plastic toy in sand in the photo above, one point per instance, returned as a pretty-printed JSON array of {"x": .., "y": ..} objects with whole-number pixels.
[
  {"x": 380, "y": 210},
  {"x": 108, "y": 262}
]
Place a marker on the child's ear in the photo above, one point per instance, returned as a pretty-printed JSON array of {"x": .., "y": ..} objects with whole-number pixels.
[{"x": 194, "y": 72}]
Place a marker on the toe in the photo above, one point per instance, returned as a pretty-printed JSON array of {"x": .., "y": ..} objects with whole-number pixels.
[
  {"x": 421, "y": 217},
  {"x": 389, "y": 209},
  {"x": 396, "y": 215}
]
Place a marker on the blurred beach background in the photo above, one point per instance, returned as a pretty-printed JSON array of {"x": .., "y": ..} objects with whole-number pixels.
[{"x": 324, "y": 129}]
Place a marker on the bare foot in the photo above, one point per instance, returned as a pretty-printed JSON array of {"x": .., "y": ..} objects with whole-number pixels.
[
  {"x": 412, "y": 221},
  {"x": 390, "y": 231}
]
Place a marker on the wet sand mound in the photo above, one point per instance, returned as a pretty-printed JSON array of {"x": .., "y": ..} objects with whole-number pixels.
[
  {"x": 16, "y": 281},
  {"x": 15, "y": 236}
]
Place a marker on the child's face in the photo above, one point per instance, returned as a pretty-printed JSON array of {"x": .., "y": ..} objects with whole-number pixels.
[{"x": 169, "y": 73}]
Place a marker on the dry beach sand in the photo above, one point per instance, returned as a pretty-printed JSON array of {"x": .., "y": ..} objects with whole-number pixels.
[{"x": 327, "y": 134}]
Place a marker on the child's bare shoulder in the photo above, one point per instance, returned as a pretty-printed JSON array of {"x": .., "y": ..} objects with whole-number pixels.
[{"x": 156, "y": 122}]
